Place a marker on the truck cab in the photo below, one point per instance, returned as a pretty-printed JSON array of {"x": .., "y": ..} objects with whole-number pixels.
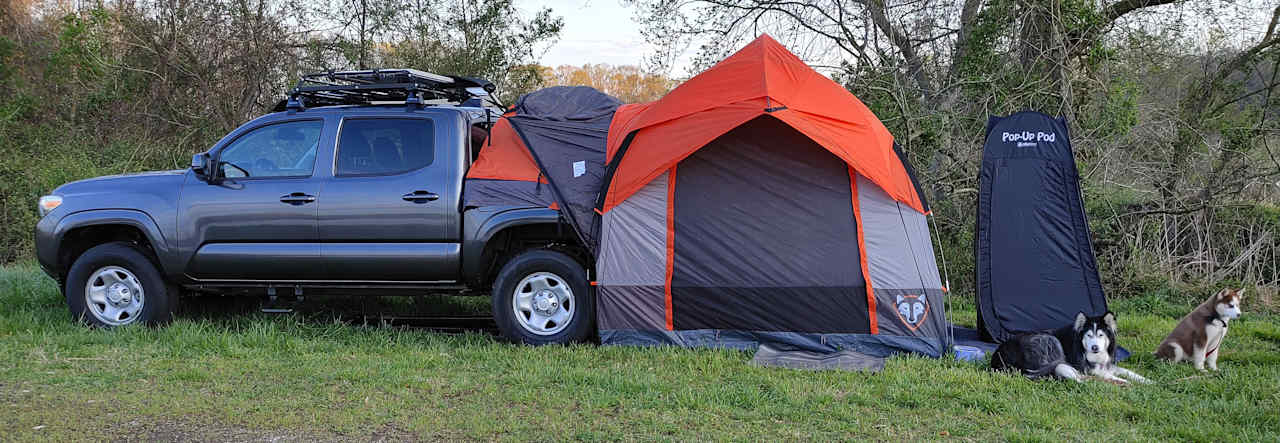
[
  {"x": 342, "y": 195},
  {"x": 360, "y": 194}
]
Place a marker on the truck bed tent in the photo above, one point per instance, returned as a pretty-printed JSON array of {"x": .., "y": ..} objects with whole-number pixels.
[
  {"x": 547, "y": 151},
  {"x": 761, "y": 202},
  {"x": 1034, "y": 252}
]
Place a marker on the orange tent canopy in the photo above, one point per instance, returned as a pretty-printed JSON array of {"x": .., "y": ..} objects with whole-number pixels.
[
  {"x": 505, "y": 157},
  {"x": 763, "y": 78}
]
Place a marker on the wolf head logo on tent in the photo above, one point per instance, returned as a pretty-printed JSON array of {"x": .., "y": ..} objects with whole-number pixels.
[{"x": 912, "y": 310}]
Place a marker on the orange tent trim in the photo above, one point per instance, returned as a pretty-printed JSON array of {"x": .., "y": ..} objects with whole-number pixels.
[
  {"x": 671, "y": 238},
  {"x": 862, "y": 254}
]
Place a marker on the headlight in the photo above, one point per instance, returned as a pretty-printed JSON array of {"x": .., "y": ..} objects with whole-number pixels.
[{"x": 48, "y": 203}]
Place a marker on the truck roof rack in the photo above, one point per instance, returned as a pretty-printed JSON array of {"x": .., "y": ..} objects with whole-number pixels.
[{"x": 364, "y": 87}]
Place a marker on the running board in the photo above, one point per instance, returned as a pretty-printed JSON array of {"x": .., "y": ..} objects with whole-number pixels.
[{"x": 353, "y": 289}]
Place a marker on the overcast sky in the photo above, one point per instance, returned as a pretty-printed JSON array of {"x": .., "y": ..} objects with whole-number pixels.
[
  {"x": 602, "y": 31},
  {"x": 595, "y": 31}
]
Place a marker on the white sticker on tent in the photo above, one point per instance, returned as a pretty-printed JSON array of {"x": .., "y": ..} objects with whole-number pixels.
[{"x": 579, "y": 168}]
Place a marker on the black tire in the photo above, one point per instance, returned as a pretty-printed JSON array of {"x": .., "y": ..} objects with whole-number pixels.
[
  {"x": 159, "y": 301},
  {"x": 581, "y": 323}
]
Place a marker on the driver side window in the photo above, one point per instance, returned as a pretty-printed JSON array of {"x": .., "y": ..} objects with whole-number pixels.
[{"x": 279, "y": 150}]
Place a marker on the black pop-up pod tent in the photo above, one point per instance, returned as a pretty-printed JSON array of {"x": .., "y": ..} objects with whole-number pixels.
[{"x": 1035, "y": 262}]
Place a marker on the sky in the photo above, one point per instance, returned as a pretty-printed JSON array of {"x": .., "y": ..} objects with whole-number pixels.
[
  {"x": 595, "y": 31},
  {"x": 602, "y": 31}
]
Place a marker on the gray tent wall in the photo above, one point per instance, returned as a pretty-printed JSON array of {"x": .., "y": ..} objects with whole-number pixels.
[
  {"x": 755, "y": 237},
  {"x": 489, "y": 192}
]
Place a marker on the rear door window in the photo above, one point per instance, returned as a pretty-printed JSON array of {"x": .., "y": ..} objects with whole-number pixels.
[{"x": 384, "y": 146}]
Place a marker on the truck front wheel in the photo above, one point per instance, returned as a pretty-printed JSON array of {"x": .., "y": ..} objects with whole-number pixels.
[
  {"x": 542, "y": 297},
  {"x": 115, "y": 284}
]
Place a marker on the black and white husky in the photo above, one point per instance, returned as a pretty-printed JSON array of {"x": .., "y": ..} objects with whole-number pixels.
[
  {"x": 1087, "y": 347},
  {"x": 1090, "y": 347}
]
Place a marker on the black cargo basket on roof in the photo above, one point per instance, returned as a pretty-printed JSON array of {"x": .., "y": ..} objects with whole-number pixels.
[{"x": 381, "y": 85}]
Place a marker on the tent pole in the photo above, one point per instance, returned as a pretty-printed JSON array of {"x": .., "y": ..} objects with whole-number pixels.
[{"x": 946, "y": 277}]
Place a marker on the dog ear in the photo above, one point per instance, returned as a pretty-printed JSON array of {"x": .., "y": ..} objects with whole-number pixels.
[
  {"x": 1081, "y": 319},
  {"x": 1110, "y": 319},
  {"x": 1240, "y": 293},
  {"x": 1223, "y": 294},
  {"x": 899, "y": 300}
]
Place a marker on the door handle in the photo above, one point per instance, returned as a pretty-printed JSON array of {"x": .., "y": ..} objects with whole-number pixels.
[
  {"x": 297, "y": 198},
  {"x": 420, "y": 196}
]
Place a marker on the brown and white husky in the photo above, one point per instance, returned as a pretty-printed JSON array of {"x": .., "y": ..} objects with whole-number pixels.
[{"x": 1200, "y": 333}]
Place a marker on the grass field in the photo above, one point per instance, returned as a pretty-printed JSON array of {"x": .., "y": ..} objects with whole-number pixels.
[{"x": 215, "y": 376}]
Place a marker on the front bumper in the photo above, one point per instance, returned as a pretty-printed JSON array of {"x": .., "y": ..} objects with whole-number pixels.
[{"x": 47, "y": 245}]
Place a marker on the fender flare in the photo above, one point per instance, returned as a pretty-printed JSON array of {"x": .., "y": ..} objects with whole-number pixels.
[
  {"x": 126, "y": 217},
  {"x": 479, "y": 237}
]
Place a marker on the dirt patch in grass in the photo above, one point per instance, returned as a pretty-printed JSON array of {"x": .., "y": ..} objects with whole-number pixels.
[
  {"x": 168, "y": 429},
  {"x": 171, "y": 430}
]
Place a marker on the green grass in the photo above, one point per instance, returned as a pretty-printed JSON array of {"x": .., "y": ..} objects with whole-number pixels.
[{"x": 252, "y": 377}]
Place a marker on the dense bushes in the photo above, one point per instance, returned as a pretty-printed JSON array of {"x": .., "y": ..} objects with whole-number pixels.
[
  {"x": 135, "y": 86},
  {"x": 1175, "y": 132},
  {"x": 1173, "y": 107}
]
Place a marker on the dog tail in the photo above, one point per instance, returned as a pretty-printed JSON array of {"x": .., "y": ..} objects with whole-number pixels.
[{"x": 1166, "y": 351}]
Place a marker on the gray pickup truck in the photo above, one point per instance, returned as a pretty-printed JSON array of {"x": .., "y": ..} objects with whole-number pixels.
[{"x": 354, "y": 199}]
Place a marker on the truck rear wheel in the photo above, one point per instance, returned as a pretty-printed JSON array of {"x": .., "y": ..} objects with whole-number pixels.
[
  {"x": 115, "y": 284},
  {"x": 542, "y": 297}
]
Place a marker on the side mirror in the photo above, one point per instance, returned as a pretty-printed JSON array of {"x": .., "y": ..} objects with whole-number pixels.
[{"x": 200, "y": 163}]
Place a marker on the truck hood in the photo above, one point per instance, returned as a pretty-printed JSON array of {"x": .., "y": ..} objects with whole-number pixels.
[
  {"x": 142, "y": 182},
  {"x": 106, "y": 182}
]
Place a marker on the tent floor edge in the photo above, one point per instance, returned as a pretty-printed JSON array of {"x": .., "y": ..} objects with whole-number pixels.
[{"x": 878, "y": 345}]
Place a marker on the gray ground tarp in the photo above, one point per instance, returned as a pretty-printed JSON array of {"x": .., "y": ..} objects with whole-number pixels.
[{"x": 846, "y": 360}]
